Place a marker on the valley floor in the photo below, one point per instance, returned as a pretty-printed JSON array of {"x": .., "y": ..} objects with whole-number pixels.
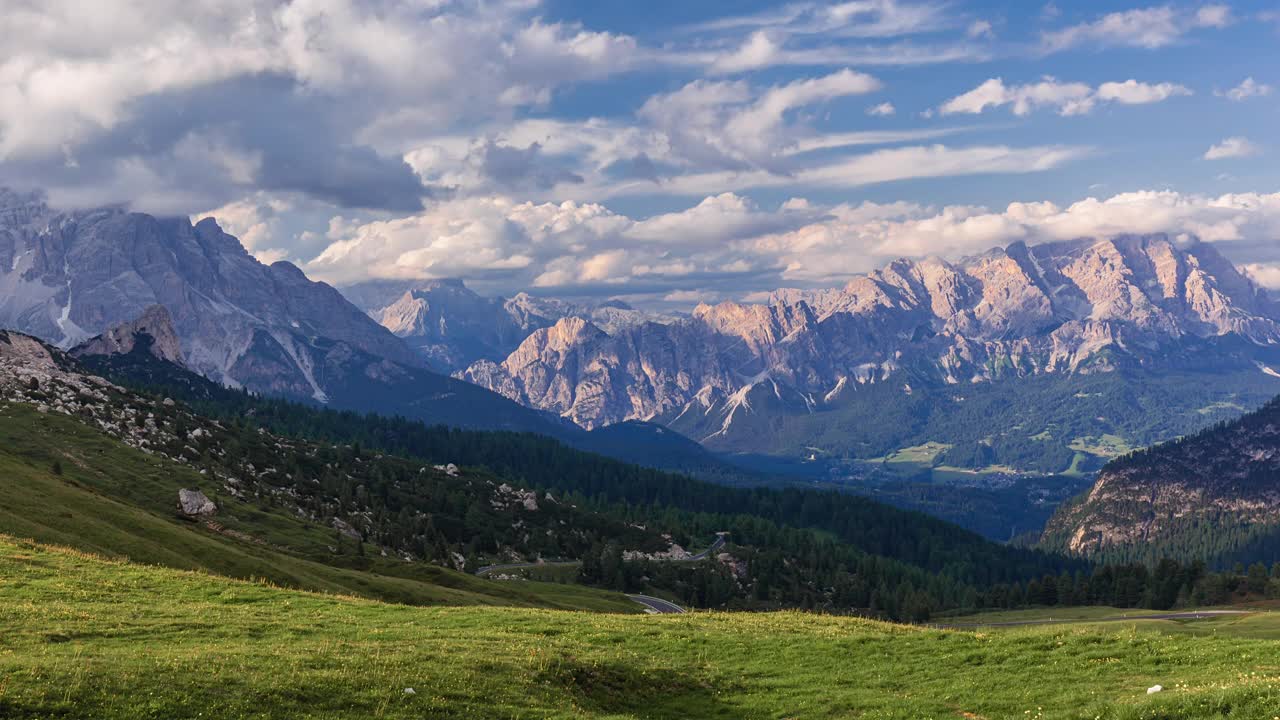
[{"x": 85, "y": 637}]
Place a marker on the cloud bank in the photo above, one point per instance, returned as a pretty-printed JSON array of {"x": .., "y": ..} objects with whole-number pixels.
[{"x": 729, "y": 245}]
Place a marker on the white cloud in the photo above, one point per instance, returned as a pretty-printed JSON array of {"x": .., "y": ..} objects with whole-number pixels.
[
  {"x": 315, "y": 96},
  {"x": 71, "y": 69},
  {"x": 880, "y": 166},
  {"x": 731, "y": 125},
  {"x": 1214, "y": 16},
  {"x": 1068, "y": 98},
  {"x": 854, "y": 33},
  {"x": 1132, "y": 92},
  {"x": 1065, "y": 98},
  {"x": 1265, "y": 274},
  {"x": 1232, "y": 147},
  {"x": 727, "y": 244},
  {"x": 860, "y": 238},
  {"x": 884, "y": 109},
  {"x": 980, "y": 29},
  {"x": 852, "y": 18},
  {"x": 765, "y": 49},
  {"x": 253, "y": 220},
  {"x": 691, "y": 297},
  {"x": 1247, "y": 88},
  {"x": 1148, "y": 28}
]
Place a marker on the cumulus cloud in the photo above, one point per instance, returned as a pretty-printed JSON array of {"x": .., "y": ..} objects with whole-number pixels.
[
  {"x": 728, "y": 245},
  {"x": 1265, "y": 274},
  {"x": 884, "y": 109},
  {"x": 1232, "y": 147},
  {"x": 313, "y": 96},
  {"x": 1148, "y": 28},
  {"x": 860, "y": 238},
  {"x": 1247, "y": 88},
  {"x": 254, "y": 220},
  {"x": 1065, "y": 98}
]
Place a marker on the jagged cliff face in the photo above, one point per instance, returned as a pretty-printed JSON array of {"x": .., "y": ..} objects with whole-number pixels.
[
  {"x": 154, "y": 328},
  {"x": 452, "y": 327},
  {"x": 1069, "y": 307},
  {"x": 66, "y": 277},
  {"x": 1220, "y": 480}
]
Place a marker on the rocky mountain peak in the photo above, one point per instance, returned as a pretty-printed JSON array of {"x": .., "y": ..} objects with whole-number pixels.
[
  {"x": 1085, "y": 305},
  {"x": 153, "y": 330},
  {"x": 71, "y": 276}
]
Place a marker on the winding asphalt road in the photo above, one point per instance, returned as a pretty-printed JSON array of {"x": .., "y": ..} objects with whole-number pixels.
[
  {"x": 715, "y": 546},
  {"x": 719, "y": 543},
  {"x": 1198, "y": 615},
  {"x": 657, "y": 606},
  {"x": 516, "y": 566}
]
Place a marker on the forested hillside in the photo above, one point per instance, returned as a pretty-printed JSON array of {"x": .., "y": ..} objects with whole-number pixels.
[
  {"x": 1213, "y": 496},
  {"x": 382, "y": 486},
  {"x": 787, "y": 547}
]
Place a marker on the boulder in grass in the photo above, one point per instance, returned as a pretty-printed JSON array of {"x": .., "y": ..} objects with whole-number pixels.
[{"x": 193, "y": 504}]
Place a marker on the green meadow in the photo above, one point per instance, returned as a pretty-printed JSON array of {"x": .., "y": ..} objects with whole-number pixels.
[{"x": 82, "y": 636}]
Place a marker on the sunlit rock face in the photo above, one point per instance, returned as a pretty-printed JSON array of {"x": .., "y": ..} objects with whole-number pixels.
[
  {"x": 1081, "y": 306},
  {"x": 67, "y": 277}
]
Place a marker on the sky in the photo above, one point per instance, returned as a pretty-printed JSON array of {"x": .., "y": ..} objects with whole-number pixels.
[{"x": 664, "y": 152}]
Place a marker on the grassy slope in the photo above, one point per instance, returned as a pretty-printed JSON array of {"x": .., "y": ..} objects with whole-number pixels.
[
  {"x": 114, "y": 500},
  {"x": 81, "y": 637}
]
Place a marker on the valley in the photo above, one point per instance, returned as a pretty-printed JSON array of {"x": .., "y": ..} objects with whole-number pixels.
[
  {"x": 1029, "y": 366},
  {"x": 570, "y": 360}
]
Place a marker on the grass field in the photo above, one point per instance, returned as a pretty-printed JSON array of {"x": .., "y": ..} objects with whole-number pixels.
[
  {"x": 1106, "y": 446},
  {"x": 86, "y": 637},
  {"x": 1222, "y": 406},
  {"x": 112, "y": 500}
]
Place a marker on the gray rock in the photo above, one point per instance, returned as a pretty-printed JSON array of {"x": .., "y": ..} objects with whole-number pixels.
[
  {"x": 69, "y": 276},
  {"x": 154, "y": 329},
  {"x": 193, "y": 503}
]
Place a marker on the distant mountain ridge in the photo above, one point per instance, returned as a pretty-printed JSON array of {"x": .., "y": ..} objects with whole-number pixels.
[
  {"x": 145, "y": 354},
  {"x": 453, "y": 327},
  {"x": 67, "y": 276},
  {"x": 1076, "y": 307},
  {"x": 101, "y": 279}
]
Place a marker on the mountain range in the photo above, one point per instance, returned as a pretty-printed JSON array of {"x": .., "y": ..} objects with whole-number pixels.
[
  {"x": 778, "y": 377},
  {"x": 984, "y": 390},
  {"x": 103, "y": 274},
  {"x": 67, "y": 276},
  {"x": 453, "y": 327}
]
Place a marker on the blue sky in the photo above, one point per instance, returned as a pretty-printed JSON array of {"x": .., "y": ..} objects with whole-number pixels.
[{"x": 668, "y": 152}]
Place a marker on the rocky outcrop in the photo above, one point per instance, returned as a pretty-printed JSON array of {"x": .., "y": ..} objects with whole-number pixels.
[
  {"x": 1083, "y": 306},
  {"x": 152, "y": 331},
  {"x": 1179, "y": 497},
  {"x": 454, "y": 328},
  {"x": 67, "y": 277},
  {"x": 194, "y": 504}
]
